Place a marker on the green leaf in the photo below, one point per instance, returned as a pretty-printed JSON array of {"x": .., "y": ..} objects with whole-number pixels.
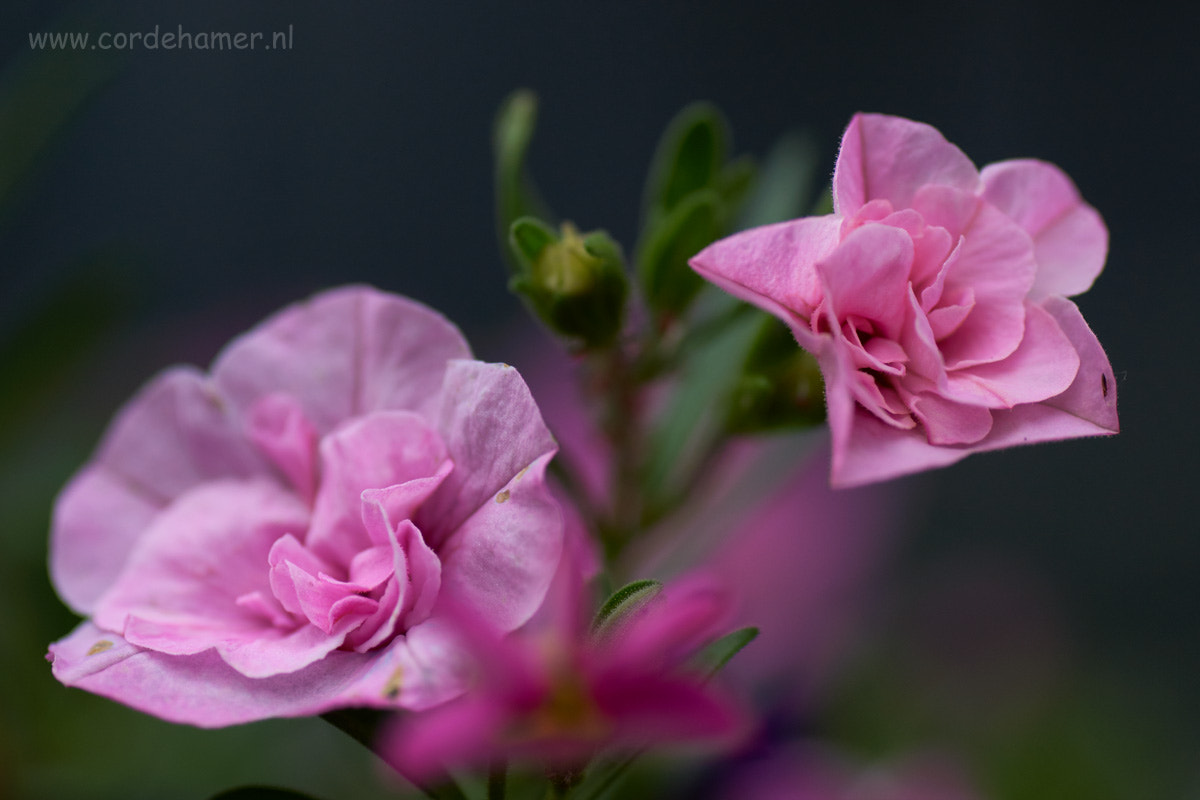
[
  {"x": 715, "y": 655},
  {"x": 516, "y": 194},
  {"x": 261, "y": 793},
  {"x": 785, "y": 182},
  {"x": 528, "y": 236},
  {"x": 688, "y": 158},
  {"x": 628, "y": 598},
  {"x": 669, "y": 283}
]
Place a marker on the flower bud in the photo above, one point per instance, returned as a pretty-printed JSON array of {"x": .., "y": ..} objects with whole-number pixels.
[{"x": 574, "y": 283}]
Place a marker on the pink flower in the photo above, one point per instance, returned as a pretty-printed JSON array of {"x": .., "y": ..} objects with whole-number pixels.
[
  {"x": 934, "y": 299},
  {"x": 275, "y": 538},
  {"x": 557, "y": 693}
]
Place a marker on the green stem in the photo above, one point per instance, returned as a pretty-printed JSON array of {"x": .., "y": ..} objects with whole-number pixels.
[{"x": 497, "y": 780}]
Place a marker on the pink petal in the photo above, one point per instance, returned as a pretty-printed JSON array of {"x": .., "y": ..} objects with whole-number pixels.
[
  {"x": 773, "y": 267},
  {"x": 875, "y": 452},
  {"x": 381, "y": 449},
  {"x": 949, "y": 423},
  {"x": 1092, "y": 397},
  {"x": 1043, "y": 366},
  {"x": 651, "y": 709},
  {"x": 202, "y": 553},
  {"x": 867, "y": 276},
  {"x": 343, "y": 353},
  {"x": 465, "y": 732},
  {"x": 1070, "y": 238},
  {"x": 201, "y": 689},
  {"x": 493, "y": 430},
  {"x": 500, "y": 561},
  {"x": 891, "y": 158},
  {"x": 177, "y": 432},
  {"x": 97, "y": 520},
  {"x": 995, "y": 263},
  {"x": 277, "y": 425}
]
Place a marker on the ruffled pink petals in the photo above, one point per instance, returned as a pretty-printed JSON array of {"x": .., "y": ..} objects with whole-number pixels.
[
  {"x": 891, "y": 158},
  {"x": 1070, "y": 238},
  {"x": 865, "y": 278},
  {"x": 937, "y": 316},
  {"x": 381, "y": 449},
  {"x": 1043, "y": 366}
]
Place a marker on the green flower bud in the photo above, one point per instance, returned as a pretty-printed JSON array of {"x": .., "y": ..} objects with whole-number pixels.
[{"x": 574, "y": 283}]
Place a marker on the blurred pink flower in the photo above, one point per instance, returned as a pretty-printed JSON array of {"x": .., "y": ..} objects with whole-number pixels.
[
  {"x": 557, "y": 693},
  {"x": 274, "y": 538},
  {"x": 934, "y": 301}
]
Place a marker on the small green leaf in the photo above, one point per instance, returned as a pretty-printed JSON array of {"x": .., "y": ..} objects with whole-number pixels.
[
  {"x": 688, "y": 158},
  {"x": 516, "y": 194},
  {"x": 715, "y": 655},
  {"x": 669, "y": 283},
  {"x": 628, "y": 598},
  {"x": 528, "y": 236}
]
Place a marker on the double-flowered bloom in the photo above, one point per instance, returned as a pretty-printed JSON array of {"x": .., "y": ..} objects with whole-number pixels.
[
  {"x": 934, "y": 298},
  {"x": 274, "y": 538}
]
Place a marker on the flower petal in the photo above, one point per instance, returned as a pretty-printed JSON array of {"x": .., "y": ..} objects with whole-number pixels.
[
  {"x": 187, "y": 572},
  {"x": 891, "y": 158},
  {"x": 1069, "y": 236},
  {"x": 772, "y": 267},
  {"x": 343, "y": 353},
  {"x": 1043, "y": 366},
  {"x": 376, "y": 451},
  {"x": 201, "y": 689},
  {"x": 866, "y": 276},
  {"x": 500, "y": 561},
  {"x": 493, "y": 430}
]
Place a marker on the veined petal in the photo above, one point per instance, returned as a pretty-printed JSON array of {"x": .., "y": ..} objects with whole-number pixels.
[
  {"x": 493, "y": 430},
  {"x": 500, "y": 561}
]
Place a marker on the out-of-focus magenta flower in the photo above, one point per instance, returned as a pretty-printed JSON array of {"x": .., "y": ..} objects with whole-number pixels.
[
  {"x": 274, "y": 538},
  {"x": 801, "y": 564},
  {"x": 556, "y": 693},
  {"x": 810, "y": 772},
  {"x": 934, "y": 298}
]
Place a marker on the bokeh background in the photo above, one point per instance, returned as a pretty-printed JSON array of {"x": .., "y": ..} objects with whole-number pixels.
[{"x": 1039, "y": 617}]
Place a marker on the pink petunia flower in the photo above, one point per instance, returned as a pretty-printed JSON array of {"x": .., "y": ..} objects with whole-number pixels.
[
  {"x": 557, "y": 693},
  {"x": 934, "y": 298},
  {"x": 276, "y": 537}
]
